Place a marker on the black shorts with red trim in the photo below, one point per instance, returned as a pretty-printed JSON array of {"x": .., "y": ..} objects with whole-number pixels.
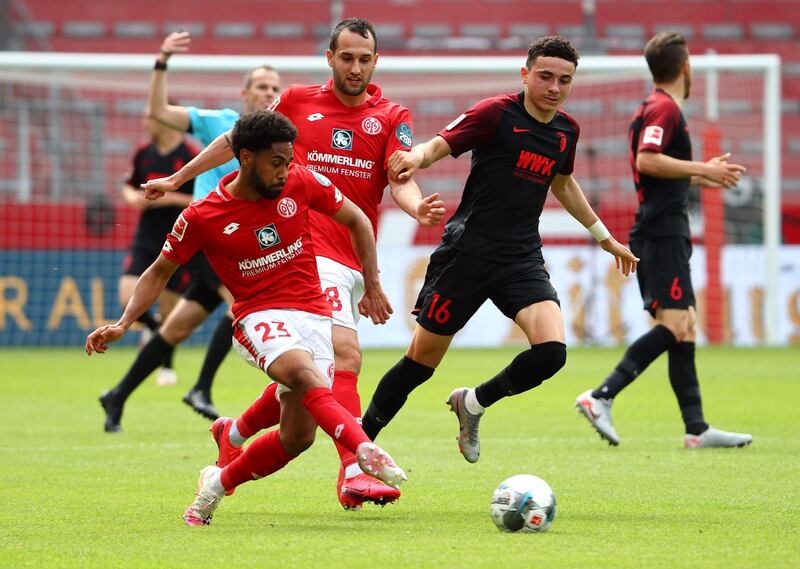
[
  {"x": 664, "y": 273},
  {"x": 142, "y": 256},
  {"x": 457, "y": 284}
]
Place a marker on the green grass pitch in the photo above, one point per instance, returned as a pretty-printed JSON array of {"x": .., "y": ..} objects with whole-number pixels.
[{"x": 73, "y": 496}]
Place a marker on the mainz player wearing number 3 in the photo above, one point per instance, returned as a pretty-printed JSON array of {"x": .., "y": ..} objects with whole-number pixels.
[
  {"x": 348, "y": 131},
  {"x": 254, "y": 230},
  {"x": 663, "y": 171},
  {"x": 522, "y": 146}
]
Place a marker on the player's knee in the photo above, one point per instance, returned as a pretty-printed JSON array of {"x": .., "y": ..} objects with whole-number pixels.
[
  {"x": 298, "y": 441},
  {"x": 530, "y": 368},
  {"x": 347, "y": 357},
  {"x": 303, "y": 378},
  {"x": 175, "y": 332}
]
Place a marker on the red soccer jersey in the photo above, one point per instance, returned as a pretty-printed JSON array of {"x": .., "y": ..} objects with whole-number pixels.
[
  {"x": 349, "y": 145},
  {"x": 261, "y": 250}
]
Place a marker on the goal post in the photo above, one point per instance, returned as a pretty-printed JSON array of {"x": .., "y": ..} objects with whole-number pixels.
[{"x": 68, "y": 123}]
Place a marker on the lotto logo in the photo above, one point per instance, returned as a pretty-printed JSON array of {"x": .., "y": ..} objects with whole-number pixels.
[
  {"x": 315, "y": 117},
  {"x": 230, "y": 228},
  {"x": 167, "y": 247}
]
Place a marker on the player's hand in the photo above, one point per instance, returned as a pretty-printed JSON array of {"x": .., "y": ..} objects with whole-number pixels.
[
  {"x": 176, "y": 42},
  {"x": 402, "y": 164},
  {"x": 626, "y": 261},
  {"x": 154, "y": 189},
  {"x": 721, "y": 172},
  {"x": 375, "y": 305},
  {"x": 430, "y": 211},
  {"x": 99, "y": 340}
]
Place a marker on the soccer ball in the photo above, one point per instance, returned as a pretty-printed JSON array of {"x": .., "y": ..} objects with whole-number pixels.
[{"x": 523, "y": 503}]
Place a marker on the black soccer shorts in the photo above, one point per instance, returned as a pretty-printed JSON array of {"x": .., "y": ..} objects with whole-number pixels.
[
  {"x": 142, "y": 256},
  {"x": 457, "y": 284},
  {"x": 204, "y": 283},
  {"x": 664, "y": 274}
]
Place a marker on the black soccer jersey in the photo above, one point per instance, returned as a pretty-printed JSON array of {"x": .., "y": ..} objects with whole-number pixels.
[
  {"x": 514, "y": 160},
  {"x": 659, "y": 126},
  {"x": 148, "y": 164}
]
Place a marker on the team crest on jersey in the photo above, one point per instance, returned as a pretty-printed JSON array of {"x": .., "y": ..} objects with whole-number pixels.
[
  {"x": 403, "y": 134},
  {"x": 562, "y": 141},
  {"x": 179, "y": 228},
  {"x": 342, "y": 139},
  {"x": 653, "y": 135},
  {"x": 371, "y": 125},
  {"x": 287, "y": 207},
  {"x": 268, "y": 236}
]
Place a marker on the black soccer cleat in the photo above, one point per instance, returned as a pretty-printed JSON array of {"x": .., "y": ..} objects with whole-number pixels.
[
  {"x": 113, "y": 412},
  {"x": 201, "y": 403}
]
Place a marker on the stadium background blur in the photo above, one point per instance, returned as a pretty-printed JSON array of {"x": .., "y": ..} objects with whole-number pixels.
[{"x": 66, "y": 139}]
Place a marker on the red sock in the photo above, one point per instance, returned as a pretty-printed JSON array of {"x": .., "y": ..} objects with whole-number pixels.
[
  {"x": 263, "y": 413},
  {"x": 261, "y": 458},
  {"x": 346, "y": 393},
  {"x": 334, "y": 419}
]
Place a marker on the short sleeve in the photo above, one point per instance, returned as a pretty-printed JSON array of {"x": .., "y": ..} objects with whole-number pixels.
[
  {"x": 401, "y": 137},
  {"x": 569, "y": 163},
  {"x": 660, "y": 120},
  {"x": 206, "y": 125},
  {"x": 185, "y": 238},
  {"x": 324, "y": 197},
  {"x": 136, "y": 175},
  {"x": 474, "y": 128},
  {"x": 283, "y": 102}
]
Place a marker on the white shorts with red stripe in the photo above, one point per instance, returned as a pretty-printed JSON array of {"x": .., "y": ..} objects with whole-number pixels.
[
  {"x": 262, "y": 337},
  {"x": 343, "y": 288}
]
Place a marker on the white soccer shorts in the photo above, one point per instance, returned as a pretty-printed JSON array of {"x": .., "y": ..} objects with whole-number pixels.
[
  {"x": 343, "y": 288},
  {"x": 261, "y": 337}
]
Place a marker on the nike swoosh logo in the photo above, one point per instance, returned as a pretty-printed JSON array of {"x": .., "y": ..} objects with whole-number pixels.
[{"x": 515, "y": 129}]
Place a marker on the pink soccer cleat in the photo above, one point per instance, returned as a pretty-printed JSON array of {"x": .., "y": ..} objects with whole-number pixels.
[
  {"x": 376, "y": 462},
  {"x": 227, "y": 452}
]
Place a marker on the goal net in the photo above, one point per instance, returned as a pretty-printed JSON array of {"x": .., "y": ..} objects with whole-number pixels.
[{"x": 70, "y": 123}]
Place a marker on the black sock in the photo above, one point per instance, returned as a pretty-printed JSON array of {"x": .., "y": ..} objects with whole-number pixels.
[
  {"x": 526, "y": 371},
  {"x": 148, "y": 320},
  {"x": 637, "y": 357},
  {"x": 391, "y": 394},
  {"x": 683, "y": 378},
  {"x": 168, "y": 358},
  {"x": 218, "y": 349},
  {"x": 147, "y": 359}
]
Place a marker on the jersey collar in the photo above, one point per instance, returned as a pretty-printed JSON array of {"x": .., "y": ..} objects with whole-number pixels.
[
  {"x": 226, "y": 179},
  {"x": 374, "y": 92}
]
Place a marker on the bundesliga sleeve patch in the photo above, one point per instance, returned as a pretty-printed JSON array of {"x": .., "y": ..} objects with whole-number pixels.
[
  {"x": 179, "y": 229},
  {"x": 323, "y": 181},
  {"x": 274, "y": 104},
  {"x": 455, "y": 122},
  {"x": 653, "y": 135},
  {"x": 403, "y": 134}
]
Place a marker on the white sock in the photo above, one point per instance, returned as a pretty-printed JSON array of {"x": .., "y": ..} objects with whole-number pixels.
[
  {"x": 234, "y": 437},
  {"x": 471, "y": 403},
  {"x": 352, "y": 470},
  {"x": 215, "y": 483}
]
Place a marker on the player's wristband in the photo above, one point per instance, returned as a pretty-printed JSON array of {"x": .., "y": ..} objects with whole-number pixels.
[
  {"x": 160, "y": 65},
  {"x": 599, "y": 231}
]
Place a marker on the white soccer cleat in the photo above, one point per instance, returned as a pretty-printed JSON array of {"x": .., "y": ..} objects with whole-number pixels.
[
  {"x": 206, "y": 500},
  {"x": 598, "y": 412},
  {"x": 715, "y": 438},
  {"x": 166, "y": 377},
  {"x": 469, "y": 443},
  {"x": 376, "y": 462}
]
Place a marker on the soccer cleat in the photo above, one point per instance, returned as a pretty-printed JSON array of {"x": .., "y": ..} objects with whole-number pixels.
[
  {"x": 201, "y": 403},
  {"x": 376, "y": 462},
  {"x": 227, "y": 452},
  {"x": 469, "y": 443},
  {"x": 113, "y": 412},
  {"x": 598, "y": 412},
  {"x": 715, "y": 438},
  {"x": 166, "y": 377},
  {"x": 361, "y": 488},
  {"x": 206, "y": 500}
]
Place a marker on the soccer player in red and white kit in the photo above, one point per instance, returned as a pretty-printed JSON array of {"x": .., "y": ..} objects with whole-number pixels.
[
  {"x": 254, "y": 230},
  {"x": 348, "y": 131}
]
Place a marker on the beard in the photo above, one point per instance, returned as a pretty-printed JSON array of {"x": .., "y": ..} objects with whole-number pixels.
[
  {"x": 341, "y": 83},
  {"x": 265, "y": 191}
]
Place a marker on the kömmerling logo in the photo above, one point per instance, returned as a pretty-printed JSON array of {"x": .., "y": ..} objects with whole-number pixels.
[{"x": 267, "y": 236}]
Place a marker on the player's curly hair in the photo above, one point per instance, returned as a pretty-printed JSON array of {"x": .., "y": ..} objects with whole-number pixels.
[
  {"x": 358, "y": 26},
  {"x": 666, "y": 52},
  {"x": 552, "y": 46},
  {"x": 258, "y": 130}
]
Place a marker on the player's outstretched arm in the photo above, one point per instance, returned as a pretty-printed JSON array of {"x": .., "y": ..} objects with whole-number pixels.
[
  {"x": 148, "y": 288},
  {"x": 569, "y": 193},
  {"x": 215, "y": 154},
  {"x": 718, "y": 170},
  {"x": 173, "y": 116},
  {"x": 374, "y": 304},
  {"x": 428, "y": 211},
  {"x": 402, "y": 164}
]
